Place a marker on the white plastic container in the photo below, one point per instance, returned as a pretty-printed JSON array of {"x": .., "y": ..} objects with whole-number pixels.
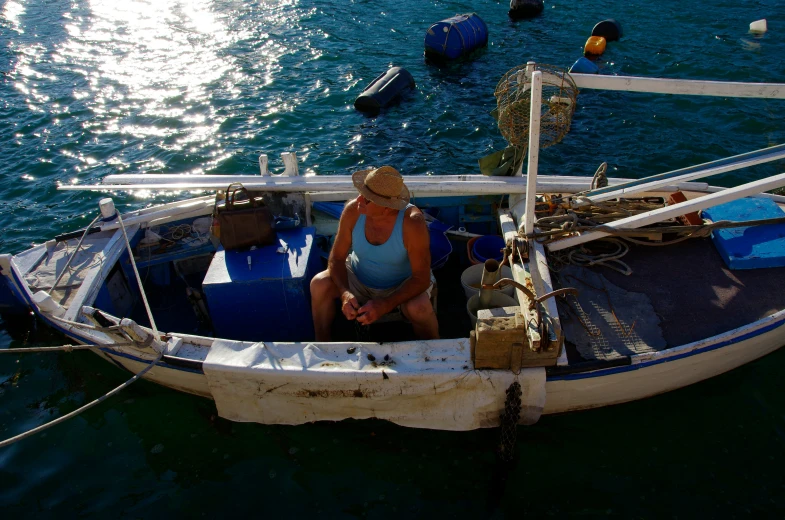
[
  {"x": 107, "y": 208},
  {"x": 497, "y": 300},
  {"x": 472, "y": 277},
  {"x": 758, "y": 26}
]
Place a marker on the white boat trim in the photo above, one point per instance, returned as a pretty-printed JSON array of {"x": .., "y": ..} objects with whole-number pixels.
[
  {"x": 680, "y": 86},
  {"x": 699, "y": 171}
]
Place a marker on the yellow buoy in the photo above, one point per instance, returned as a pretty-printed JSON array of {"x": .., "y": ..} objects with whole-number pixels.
[{"x": 595, "y": 46}]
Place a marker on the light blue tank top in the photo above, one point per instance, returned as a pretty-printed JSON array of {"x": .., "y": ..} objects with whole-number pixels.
[{"x": 383, "y": 266}]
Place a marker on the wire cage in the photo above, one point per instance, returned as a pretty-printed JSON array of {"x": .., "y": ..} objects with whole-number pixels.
[{"x": 513, "y": 99}]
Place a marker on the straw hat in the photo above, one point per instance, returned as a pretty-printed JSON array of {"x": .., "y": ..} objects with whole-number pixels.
[{"x": 383, "y": 186}]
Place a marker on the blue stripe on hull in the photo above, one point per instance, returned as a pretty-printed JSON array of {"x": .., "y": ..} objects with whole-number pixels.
[{"x": 627, "y": 368}]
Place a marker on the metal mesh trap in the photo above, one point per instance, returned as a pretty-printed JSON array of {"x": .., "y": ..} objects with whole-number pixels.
[{"x": 513, "y": 99}]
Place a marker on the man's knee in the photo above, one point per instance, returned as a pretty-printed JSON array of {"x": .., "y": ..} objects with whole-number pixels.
[
  {"x": 323, "y": 287},
  {"x": 418, "y": 308}
]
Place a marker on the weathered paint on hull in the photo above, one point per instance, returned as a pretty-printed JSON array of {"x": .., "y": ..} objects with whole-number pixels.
[{"x": 684, "y": 366}]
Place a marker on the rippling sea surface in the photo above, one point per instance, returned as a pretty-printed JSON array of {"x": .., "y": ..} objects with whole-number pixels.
[{"x": 91, "y": 88}]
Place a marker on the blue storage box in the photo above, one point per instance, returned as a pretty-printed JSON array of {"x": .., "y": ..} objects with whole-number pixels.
[
  {"x": 271, "y": 299},
  {"x": 749, "y": 247}
]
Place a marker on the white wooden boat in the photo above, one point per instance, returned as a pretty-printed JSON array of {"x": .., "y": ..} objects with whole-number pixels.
[{"x": 711, "y": 319}]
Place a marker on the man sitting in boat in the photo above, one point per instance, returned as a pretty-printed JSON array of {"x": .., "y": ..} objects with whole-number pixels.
[{"x": 380, "y": 260}]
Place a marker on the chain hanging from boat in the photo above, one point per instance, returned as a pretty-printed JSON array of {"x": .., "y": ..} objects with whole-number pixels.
[
  {"x": 513, "y": 99},
  {"x": 509, "y": 423}
]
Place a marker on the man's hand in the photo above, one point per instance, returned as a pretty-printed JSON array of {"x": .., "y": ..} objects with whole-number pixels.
[
  {"x": 349, "y": 305},
  {"x": 371, "y": 311}
]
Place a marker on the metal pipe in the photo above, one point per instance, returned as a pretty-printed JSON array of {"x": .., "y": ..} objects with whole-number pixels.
[{"x": 490, "y": 275}]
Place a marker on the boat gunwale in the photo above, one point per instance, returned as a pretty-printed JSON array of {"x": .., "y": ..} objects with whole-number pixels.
[{"x": 636, "y": 362}]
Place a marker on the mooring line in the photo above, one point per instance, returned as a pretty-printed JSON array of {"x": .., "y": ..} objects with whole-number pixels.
[
  {"x": 61, "y": 348},
  {"x": 76, "y": 412}
]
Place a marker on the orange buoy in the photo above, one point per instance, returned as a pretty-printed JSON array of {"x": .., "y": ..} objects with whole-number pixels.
[{"x": 595, "y": 46}]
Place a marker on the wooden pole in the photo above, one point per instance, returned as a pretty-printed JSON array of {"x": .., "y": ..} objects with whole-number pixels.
[{"x": 534, "y": 149}]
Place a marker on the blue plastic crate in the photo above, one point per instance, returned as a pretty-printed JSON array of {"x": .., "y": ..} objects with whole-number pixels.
[{"x": 749, "y": 247}]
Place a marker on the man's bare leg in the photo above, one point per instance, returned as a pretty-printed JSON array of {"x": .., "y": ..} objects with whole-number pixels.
[
  {"x": 323, "y": 295},
  {"x": 419, "y": 311}
]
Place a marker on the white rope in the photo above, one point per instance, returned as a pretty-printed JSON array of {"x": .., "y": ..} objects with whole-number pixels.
[
  {"x": 70, "y": 258},
  {"x": 61, "y": 348},
  {"x": 138, "y": 278},
  {"x": 76, "y": 412}
]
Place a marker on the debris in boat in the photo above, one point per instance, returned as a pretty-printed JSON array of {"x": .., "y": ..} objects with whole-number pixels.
[
  {"x": 385, "y": 89},
  {"x": 689, "y": 219},
  {"x": 455, "y": 37},
  {"x": 371, "y": 357},
  {"x": 520, "y": 9},
  {"x": 351, "y": 350},
  {"x": 387, "y": 357},
  {"x": 759, "y": 26},
  {"x": 384, "y": 375}
]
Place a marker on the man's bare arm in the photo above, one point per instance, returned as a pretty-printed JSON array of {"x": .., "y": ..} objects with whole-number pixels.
[{"x": 336, "y": 264}]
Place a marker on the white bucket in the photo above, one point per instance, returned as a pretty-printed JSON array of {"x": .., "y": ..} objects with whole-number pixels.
[
  {"x": 472, "y": 277},
  {"x": 497, "y": 300}
]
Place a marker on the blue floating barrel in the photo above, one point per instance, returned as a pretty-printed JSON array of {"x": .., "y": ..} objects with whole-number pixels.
[
  {"x": 455, "y": 37},
  {"x": 584, "y": 66},
  {"x": 520, "y": 9},
  {"x": 384, "y": 90},
  {"x": 609, "y": 29}
]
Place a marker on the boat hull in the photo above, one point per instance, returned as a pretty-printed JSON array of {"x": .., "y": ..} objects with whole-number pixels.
[{"x": 647, "y": 376}]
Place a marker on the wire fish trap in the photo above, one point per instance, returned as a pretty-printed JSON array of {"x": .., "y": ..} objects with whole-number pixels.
[{"x": 513, "y": 99}]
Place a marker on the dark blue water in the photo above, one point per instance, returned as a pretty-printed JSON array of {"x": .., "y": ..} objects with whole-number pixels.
[{"x": 102, "y": 87}]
